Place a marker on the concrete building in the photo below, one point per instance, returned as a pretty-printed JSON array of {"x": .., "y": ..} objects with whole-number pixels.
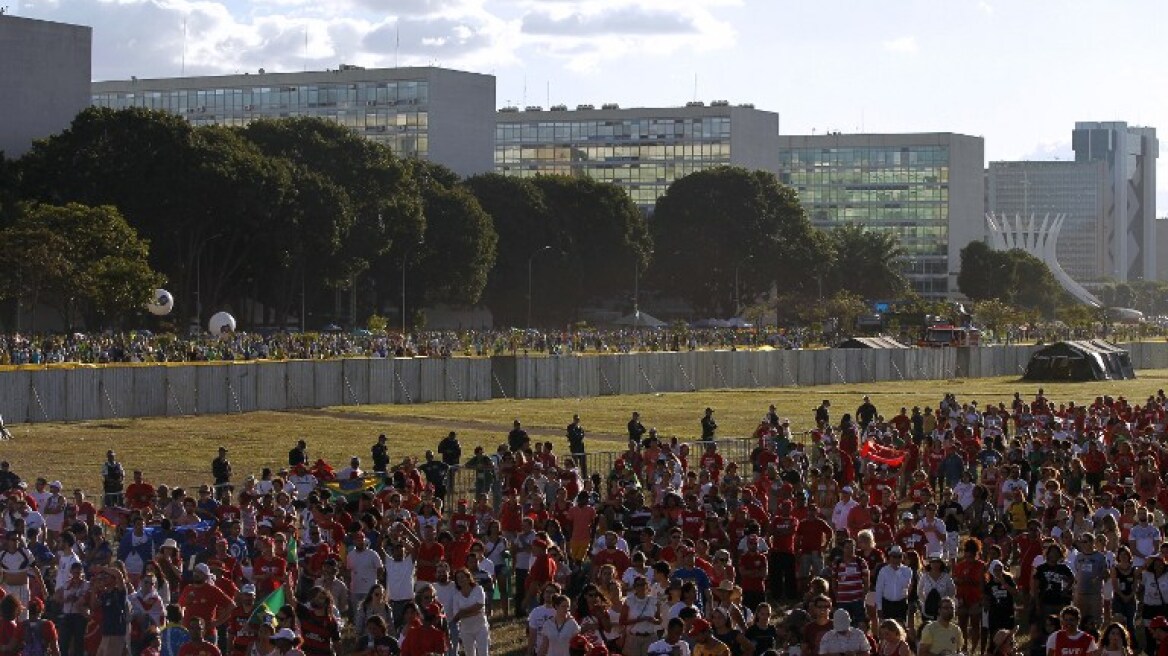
[
  {"x": 928, "y": 189},
  {"x": 1078, "y": 191},
  {"x": 643, "y": 150},
  {"x": 1129, "y": 222},
  {"x": 436, "y": 114},
  {"x": 45, "y": 70}
]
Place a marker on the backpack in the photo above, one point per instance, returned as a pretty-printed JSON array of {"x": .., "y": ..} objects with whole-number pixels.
[{"x": 34, "y": 638}]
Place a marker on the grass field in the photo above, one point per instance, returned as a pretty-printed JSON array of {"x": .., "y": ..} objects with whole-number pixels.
[{"x": 179, "y": 450}]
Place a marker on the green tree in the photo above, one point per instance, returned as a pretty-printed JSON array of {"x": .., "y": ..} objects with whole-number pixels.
[
  {"x": 85, "y": 262},
  {"x": 845, "y": 307},
  {"x": 460, "y": 240},
  {"x": 524, "y": 224},
  {"x": 985, "y": 273},
  {"x": 598, "y": 239},
  {"x": 713, "y": 224},
  {"x": 995, "y": 315},
  {"x": 867, "y": 262}
]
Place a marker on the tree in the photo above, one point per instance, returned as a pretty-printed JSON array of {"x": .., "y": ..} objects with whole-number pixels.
[
  {"x": 845, "y": 307},
  {"x": 82, "y": 261},
  {"x": 714, "y": 224},
  {"x": 523, "y": 224},
  {"x": 985, "y": 273},
  {"x": 599, "y": 237},
  {"x": 867, "y": 262},
  {"x": 459, "y": 249},
  {"x": 995, "y": 315}
]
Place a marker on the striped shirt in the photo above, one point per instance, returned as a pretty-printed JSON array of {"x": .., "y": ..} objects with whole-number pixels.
[{"x": 849, "y": 580}]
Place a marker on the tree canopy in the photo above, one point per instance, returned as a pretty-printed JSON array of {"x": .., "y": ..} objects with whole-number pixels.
[
  {"x": 85, "y": 262},
  {"x": 1013, "y": 277},
  {"x": 727, "y": 224}
]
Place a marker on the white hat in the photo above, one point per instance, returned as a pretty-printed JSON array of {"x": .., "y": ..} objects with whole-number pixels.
[
  {"x": 248, "y": 588},
  {"x": 841, "y": 620},
  {"x": 284, "y": 634},
  {"x": 205, "y": 570},
  {"x": 169, "y": 542},
  {"x": 56, "y": 484},
  {"x": 847, "y": 488}
]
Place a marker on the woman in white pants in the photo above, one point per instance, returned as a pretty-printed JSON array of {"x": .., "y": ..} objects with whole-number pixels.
[{"x": 470, "y": 612}]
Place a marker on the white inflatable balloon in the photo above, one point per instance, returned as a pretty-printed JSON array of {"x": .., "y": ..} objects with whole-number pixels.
[
  {"x": 161, "y": 303},
  {"x": 220, "y": 323}
]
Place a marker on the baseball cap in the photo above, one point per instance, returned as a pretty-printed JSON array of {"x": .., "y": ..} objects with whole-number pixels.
[{"x": 699, "y": 627}]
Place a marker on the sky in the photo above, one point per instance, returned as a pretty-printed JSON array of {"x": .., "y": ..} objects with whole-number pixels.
[{"x": 1017, "y": 72}]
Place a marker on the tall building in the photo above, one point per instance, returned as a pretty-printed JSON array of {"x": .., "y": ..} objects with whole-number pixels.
[
  {"x": 1078, "y": 190},
  {"x": 643, "y": 150},
  {"x": 45, "y": 70},
  {"x": 436, "y": 114},
  {"x": 927, "y": 189},
  {"x": 1129, "y": 222}
]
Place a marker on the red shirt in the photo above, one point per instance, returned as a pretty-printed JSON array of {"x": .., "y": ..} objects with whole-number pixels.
[
  {"x": 912, "y": 538},
  {"x": 1065, "y": 645},
  {"x": 424, "y": 639},
  {"x": 752, "y": 560},
  {"x": 615, "y": 557},
  {"x": 542, "y": 571},
  {"x": 204, "y": 601},
  {"x": 783, "y": 531},
  {"x": 849, "y": 580},
  {"x": 811, "y": 534},
  {"x": 433, "y": 552},
  {"x": 275, "y": 567},
  {"x": 48, "y": 632},
  {"x": 200, "y": 648},
  {"x": 692, "y": 522}
]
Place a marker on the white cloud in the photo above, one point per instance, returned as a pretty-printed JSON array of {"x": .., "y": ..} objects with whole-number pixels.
[
  {"x": 905, "y": 44},
  {"x": 985, "y": 8}
]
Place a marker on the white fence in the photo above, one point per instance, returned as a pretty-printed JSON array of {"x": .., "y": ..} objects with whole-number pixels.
[{"x": 111, "y": 392}]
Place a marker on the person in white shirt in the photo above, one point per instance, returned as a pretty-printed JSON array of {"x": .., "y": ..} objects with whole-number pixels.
[
  {"x": 364, "y": 565},
  {"x": 639, "y": 618},
  {"x": 1144, "y": 538},
  {"x": 541, "y": 614},
  {"x": 672, "y": 643},
  {"x": 893, "y": 583},
  {"x": 843, "y": 639},
  {"x": 843, "y": 508},
  {"x": 352, "y": 471},
  {"x": 302, "y": 482},
  {"x": 934, "y": 529},
  {"x": 400, "y": 573},
  {"x": 469, "y": 612}
]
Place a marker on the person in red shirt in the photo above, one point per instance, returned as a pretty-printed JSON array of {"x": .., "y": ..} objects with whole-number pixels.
[
  {"x": 782, "y": 552},
  {"x": 610, "y": 555},
  {"x": 712, "y": 461},
  {"x": 692, "y": 518},
  {"x": 429, "y": 553},
  {"x": 139, "y": 494},
  {"x": 1069, "y": 640},
  {"x": 203, "y": 600},
  {"x": 429, "y": 637},
  {"x": 911, "y": 538},
  {"x": 541, "y": 572},
  {"x": 812, "y": 537},
  {"x": 198, "y": 645},
  {"x": 753, "y": 571},
  {"x": 269, "y": 569}
]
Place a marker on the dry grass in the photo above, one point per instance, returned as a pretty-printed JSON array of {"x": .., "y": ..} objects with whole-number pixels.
[{"x": 179, "y": 450}]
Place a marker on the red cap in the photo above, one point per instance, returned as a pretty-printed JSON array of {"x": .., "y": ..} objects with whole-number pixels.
[
  {"x": 580, "y": 642},
  {"x": 540, "y": 543},
  {"x": 699, "y": 627},
  {"x": 433, "y": 610},
  {"x": 36, "y": 604}
]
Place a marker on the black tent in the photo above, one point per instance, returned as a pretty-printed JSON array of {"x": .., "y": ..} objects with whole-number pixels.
[
  {"x": 871, "y": 343},
  {"x": 1080, "y": 360}
]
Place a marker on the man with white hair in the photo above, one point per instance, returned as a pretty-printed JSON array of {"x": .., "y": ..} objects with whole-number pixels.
[{"x": 842, "y": 509}]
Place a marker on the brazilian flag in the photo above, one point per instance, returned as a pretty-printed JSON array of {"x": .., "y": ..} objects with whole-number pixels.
[{"x": 351, "y": 488}]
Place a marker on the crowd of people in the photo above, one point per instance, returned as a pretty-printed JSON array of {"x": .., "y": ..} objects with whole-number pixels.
[
  {"x": 936, "y": 531},
  {"x": 145, "y": 346}
]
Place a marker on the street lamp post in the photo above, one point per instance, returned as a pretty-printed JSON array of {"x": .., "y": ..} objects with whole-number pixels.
[
  {"x": 529, "y": 261},
  {"x": 405, "y": 261}
]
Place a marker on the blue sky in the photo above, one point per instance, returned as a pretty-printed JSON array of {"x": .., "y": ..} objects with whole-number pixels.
[{"x": 1017, "y": 72}]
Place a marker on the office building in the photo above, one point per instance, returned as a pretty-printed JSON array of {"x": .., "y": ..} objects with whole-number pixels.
[
  {"x": 45, "y": 69},
  {"x": 643, "y": 150},
  {"x": 927, "y": 189},
  {"x": 436, "y": 114},
  {"x": 1129, "y": 222},
  {"x": 1079, "y": 191}
]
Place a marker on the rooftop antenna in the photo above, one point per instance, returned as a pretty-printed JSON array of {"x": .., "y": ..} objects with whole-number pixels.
[
  {"x": 695, "y": 87},
  {"x": 549, "y": 93},
  {"x": 525, "y": 90},
  {"x": 306, "y": 47},
  {"x": 184, "y": 49},
  {"x": 397, "y": 42}
]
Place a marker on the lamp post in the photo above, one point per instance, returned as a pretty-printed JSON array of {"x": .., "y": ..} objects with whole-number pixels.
[
  {"x": 199, "y": 278},
  {"x": 637, "y": 291},
  {"x": 529, "y": 261},
  {"x": 405, "y": 261}
]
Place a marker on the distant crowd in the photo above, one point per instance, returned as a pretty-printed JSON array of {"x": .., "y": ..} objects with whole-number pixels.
[{"x": 144, "y": 346}]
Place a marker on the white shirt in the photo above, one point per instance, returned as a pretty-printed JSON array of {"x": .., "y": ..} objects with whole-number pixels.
[
  {"x": 303, "y": 485},
  {"x": 538, "y": 616},
  {"x": 444, "y": 593},
  {"x": 363, "y": 566},
  {"x": 839, "y": 514},
  {"x": 964, "y": 492},
  {"x": 934, "y": 539},
  {"x": 1145, "y": 540},
  {"x": 893, "y": 583},
  {"x": 600, "y": 545},
  {"x": 399, "y": 579},
  {"x": 852, "y": 640},
  {"x": 477, "y": 622},
  {"x": 662, "y": 648},
  {"x": 558, "y": 637}
]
